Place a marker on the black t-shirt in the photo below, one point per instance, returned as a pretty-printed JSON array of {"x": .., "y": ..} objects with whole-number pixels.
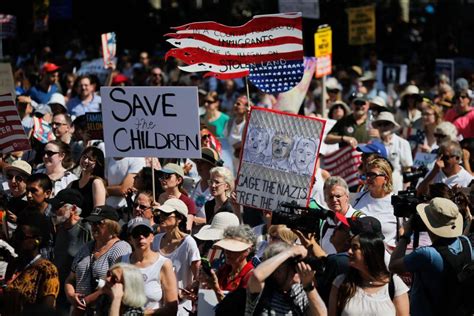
[{"x": 209, "y": 209}]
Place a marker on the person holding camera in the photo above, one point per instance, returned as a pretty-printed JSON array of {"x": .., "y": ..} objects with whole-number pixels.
[
  {"x": 434, "y": 279},
  {"x": 368, "y": 288},
  {"x": 447, "y": 168},
  {"x": 283, "y": 284}
]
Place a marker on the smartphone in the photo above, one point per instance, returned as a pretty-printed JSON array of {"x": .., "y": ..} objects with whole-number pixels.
[{"x": 206, "y": 266}]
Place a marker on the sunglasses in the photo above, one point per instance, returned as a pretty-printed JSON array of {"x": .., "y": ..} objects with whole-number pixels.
[
  {"x": 462, "y": 96},
  {"x": 19, "y": 178},
  {"x": 437, "y": 135},
  {"x": 50, "y": 153},
  {"x": 359, "y": 103},
  {"x": 447, "y": 157},
  {"x": 165, "y": 176},
  {"x": 373, "y": 175},
  {"x": 141, "y": 207},
  {"x": 204, "y": 137},
  {"x": 160, "y": 216},
  {"x": 383, "y": 124},
  {"x": 140, "y": 231},
  {"x": 210, "y": 101}
]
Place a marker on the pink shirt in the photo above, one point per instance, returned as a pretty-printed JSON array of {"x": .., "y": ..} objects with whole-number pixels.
[{"x": 465, "y": 124}]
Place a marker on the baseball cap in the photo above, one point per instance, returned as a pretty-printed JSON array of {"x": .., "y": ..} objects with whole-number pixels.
[
  {"x": 103, "y": 212},
  {"x": 211, "y": 156},
  {"x": 171, "y": 168},
  {"x": 373, "y": 146},
  {"x": 57, "y": 98},
  {"x": 67, "y": 196},
  {"x": 215, "y": 231},
  {"x": 120, "y": 78},
  {"x": 20, "y": 166},
  {"x": 138, "y": 221},
  {"x": 50, "y": 67},
  {"x": 174, "y": 205},
  {"x": 358, "y": 96},
  {"x": 442, "y": 217},
  {"x": 365, "y": 224}
]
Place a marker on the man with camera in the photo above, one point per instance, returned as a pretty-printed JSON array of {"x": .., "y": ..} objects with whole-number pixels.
[
  {"x": 447, "y": 168},
  {"x": 283, "y": 284},
  {"x": 434, "y": 289}
]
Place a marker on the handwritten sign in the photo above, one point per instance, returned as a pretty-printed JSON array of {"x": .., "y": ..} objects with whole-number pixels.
[
  {"x": 424, "y": 159},
  {"x": 278, "y": 159},
  {"x": 95, "y": 128},
  {"x": 95, "y": 67},
  {"x": 151, "y": 122},
  {"x": 323, "y": 51},
  {"x": 361, "y": 25}
]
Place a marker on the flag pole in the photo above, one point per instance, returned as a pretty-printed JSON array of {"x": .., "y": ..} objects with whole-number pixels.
[
  {"x": 324, "y": 96},
  {"x": 153, "y": 178},
  {"x": 247, "y": 86}
]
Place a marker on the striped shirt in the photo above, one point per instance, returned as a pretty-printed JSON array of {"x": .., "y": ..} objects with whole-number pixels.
[{"x": 88, "y": 269}]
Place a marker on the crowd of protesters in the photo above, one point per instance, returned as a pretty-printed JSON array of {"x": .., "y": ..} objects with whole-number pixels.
[{"x": 92, "y": 234}]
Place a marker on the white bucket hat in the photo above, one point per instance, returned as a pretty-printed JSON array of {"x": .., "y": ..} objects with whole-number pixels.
[
  {"x": 387, "y": 117},
  {"x": 220, "y": 222}
]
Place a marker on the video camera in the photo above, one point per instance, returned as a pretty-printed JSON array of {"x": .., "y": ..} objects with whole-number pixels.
[
  {"x": 404, "y": 205},
  {"x": 318, "y": 265},
  {"x": 304, "y": 219},
  {"x": 414, "y": 175}
]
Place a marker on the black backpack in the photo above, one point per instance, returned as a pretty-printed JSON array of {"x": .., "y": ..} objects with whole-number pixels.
[{"x": 459, "y": 278}]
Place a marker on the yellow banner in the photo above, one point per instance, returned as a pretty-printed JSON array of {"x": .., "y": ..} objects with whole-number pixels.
[
  {"x": 361, "y": 25},
  {"x": 323, "y": 42}
]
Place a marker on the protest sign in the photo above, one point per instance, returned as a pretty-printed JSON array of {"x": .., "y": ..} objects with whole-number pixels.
[
  {"x": 109, "y": 47},
  {"x": 278, "y": 159},
  {"x": 12, "y": 134},
  {"x": 424, "y": 160},
  {"x": 344, "y": 163},
  {"x": 445, "y": 67},
  {"x": 151, "y": 122},
  {"x": 95, "y": 127},
  {"x": 227, "y": 52},
  {"x": 394, "y": 73},
  {"x": 6, "y": 79},
  {"x": 323, "y": 51},
  {"x": 95, "y": 67},
  {"x": 361, "y": 25},
  {"x": 309, "y": 8}
]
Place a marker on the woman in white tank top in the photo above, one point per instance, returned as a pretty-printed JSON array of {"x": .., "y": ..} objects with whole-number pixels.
[{"x": 161, "y": 287}]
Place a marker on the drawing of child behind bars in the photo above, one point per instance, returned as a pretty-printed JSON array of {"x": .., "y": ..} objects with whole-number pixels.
[
  {"x": 303, "y": 156},
  {"x": 256, "y": 143}
]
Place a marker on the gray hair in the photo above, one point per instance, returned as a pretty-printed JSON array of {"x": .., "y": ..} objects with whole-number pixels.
[
  {"x": 241, "y": 232},
  {"x": 73, "y": 208},
  {"x": 452, "y": 146},
  {"x": 133, "y": 285},
  {"x": 333, "y": 181},
  {"x": 274, "y": 249},
  {"x": 448, "y": 129},
  {"x": 227, "y": 175}
]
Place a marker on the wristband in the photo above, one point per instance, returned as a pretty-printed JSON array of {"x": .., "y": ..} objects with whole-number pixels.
[
  {"x": 406, "y": 237},
  {"x": 308, "y": 288}
]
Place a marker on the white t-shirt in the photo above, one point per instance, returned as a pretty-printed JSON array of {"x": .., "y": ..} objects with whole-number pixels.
[
  {"x": 376, "y": 304},
  {"x": 115, "y": 173},
  {"x": 326, "y": 243},
  {"x": 399, "y": 154},
  {"x": 462, "y": 178},
  {"x": 382, "y": 210}
]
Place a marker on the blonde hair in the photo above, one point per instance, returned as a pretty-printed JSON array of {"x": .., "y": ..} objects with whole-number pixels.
[
  {"x": 133, "y": 285},
  {"x": 227, "y": 175},
  {"x": 284, "y": 233},
  {"x": 383, "y": 165},
  {"x": 113, "y": 227}
]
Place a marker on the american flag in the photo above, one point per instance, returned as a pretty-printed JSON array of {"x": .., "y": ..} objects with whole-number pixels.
[
  {"x": 7, "y": 26},
  {"x": 227, "y": 52},
  {"x": 12, "y": 134},
  {"x": 344, "y": 163},
  {"x": 109, "y": 47}
]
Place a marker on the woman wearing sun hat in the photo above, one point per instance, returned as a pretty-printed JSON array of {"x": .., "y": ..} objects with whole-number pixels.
[{"x": 398, "y": 149}]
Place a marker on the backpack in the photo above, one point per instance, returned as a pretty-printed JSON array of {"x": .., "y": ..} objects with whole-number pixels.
[{"x": 459, "y": 277}]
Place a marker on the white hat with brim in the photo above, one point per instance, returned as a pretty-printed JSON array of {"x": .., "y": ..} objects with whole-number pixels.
[
  {"x": 20, "y": 166},
  {"x": 233, "y": 245},
  {"x": 387, "y": 117},
  {"x": 219, "y": 223},
  {"x": 174, "y": 205},
  {"x": 442, "y": 217}
]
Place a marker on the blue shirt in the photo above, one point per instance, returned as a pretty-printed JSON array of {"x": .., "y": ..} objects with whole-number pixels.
[
  {"x": 427, "y": 265},
  {"x": 40, "y": 96},
  {"x": 77, "y": 107}
]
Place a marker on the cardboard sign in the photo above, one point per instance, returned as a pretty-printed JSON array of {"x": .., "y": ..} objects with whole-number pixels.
[
  {"x": 278, "y": 159},
  {"x": 309, "y": 8},
  {"x": 109, "y": 47},
  {"x": 95, "y": 127},
  {"x": 95, "y": 67},
  {"x": 158, "y": 122},
  {"x": 225, "y": 52},
  {"x": 361, "y": 25},
  {"x": 394, "y": 73},
  {"x": 424, "y": 159},
  {"x": 445, "y": 67},
  {"x": 12, "y": 134},
  {"x": 323, "y": 41}
]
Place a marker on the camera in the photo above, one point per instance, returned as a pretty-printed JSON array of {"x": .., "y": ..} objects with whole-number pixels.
[
  {"x": 318, "y": 265},
  {"x": 304, "y": 219},
  {"x": 414, "y": 175},
  {"x": 404, "y": 205}
]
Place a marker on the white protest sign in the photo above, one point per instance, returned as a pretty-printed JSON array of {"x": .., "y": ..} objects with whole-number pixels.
[
  {"x": 424, "y": 159},
  {"x": 151, "y": 122},
  {"x": 278, "y": 159},
  {"x": 95, "y": 67}
]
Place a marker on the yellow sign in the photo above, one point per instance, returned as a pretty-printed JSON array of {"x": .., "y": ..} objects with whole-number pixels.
[
  {"x": 323, "y": 42},
  {"x": 361, "y": 25}
]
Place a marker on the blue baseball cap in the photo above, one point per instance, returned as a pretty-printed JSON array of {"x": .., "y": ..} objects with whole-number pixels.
[{"x": 373, "y": 146}]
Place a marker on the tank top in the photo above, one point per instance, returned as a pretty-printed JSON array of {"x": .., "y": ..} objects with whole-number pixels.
[
  {"x": 88, "y": 196},
  {"x": 151, "y": 276}
]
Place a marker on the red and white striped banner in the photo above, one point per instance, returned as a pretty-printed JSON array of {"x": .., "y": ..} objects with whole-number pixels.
[
  {"x": 344, "y": 163},
  {"x": 12, "y": 134},
  {"x": 7, "y": 26},
  {"x": 226, "y": 51}
]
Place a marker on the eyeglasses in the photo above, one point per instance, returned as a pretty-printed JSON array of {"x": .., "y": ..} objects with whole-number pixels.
[
  {"x": 57, "y": 124},
  {"x": 447, "y": 157},
  {"x": 50, "y": 153},
  {"x": 437, "y": 135},
  {"x": 19, "y": 178},
  {"x": 140, "y": 231},
  {"x": 373, "y": 175},
  {"x": 214, "y": 182},
  {"x": 141, "y": 207}
]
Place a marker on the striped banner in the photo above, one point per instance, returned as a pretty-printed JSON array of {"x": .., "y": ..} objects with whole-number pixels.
[
  {"x": 12, "y": 134},
  {"x": 227, "y": 52},
  {"x": 344, "y": 163},
  {"x": 109, "y": 47}
]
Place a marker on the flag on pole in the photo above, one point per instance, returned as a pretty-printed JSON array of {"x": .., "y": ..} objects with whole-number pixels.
[
  {"x": 227, "y": 52},
  {"x": 12, "y": 134},
  {"x": 109, "y": 47}
]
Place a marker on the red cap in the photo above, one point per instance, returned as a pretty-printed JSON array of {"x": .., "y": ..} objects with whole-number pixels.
[
  {"x": 50, "y": 67},
  {"x": 120, "y": 78}
]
